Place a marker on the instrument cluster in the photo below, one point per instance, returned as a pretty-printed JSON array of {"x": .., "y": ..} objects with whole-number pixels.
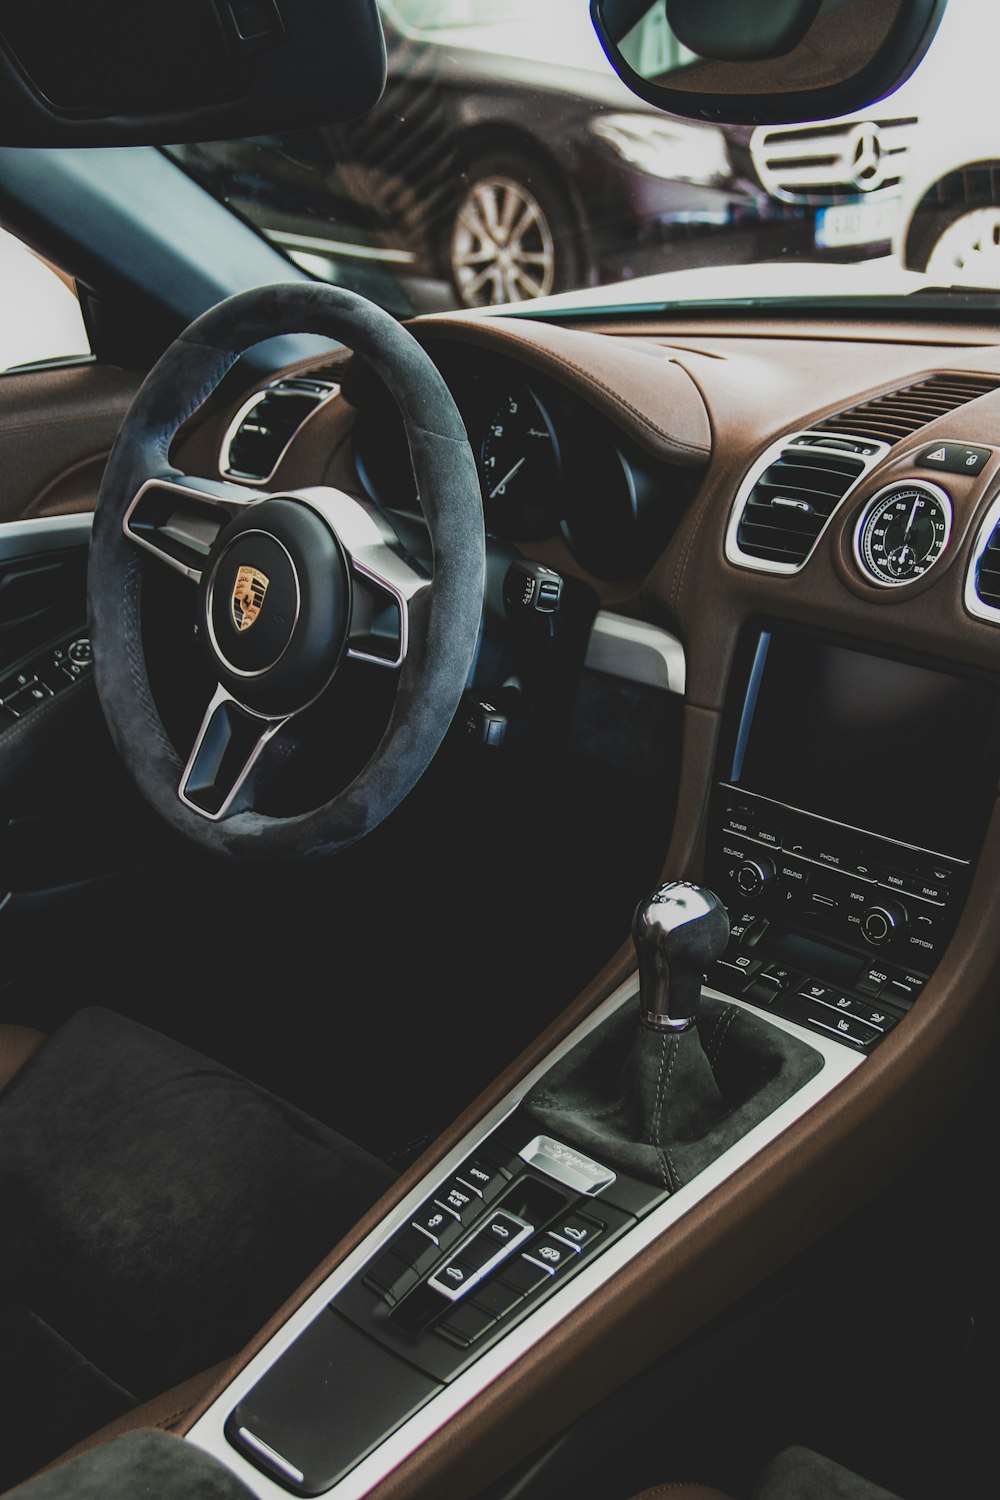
[{"x": 549, "y": 464}]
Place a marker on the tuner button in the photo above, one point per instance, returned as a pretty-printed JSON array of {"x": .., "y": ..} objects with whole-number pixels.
[
  {"x": 880, "y": 924},
  {"x": 754, "y": 876}
]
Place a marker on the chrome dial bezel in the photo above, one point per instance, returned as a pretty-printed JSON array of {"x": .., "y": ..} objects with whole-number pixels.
[{"x": 873, "y": 508}]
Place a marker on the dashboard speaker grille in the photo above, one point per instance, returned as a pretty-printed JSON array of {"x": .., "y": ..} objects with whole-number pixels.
[
  {"x": 792, "y": 501},
  {"x": 897, "y": 414}
]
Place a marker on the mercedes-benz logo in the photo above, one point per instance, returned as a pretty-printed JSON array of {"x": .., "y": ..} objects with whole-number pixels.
[{"x": 864, "y": 156}]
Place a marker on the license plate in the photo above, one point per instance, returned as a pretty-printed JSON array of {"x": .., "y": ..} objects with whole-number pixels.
[{"x": 856, "y": 224}]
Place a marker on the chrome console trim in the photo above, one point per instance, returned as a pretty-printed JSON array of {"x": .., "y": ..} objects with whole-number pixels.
[
  {"x": 808, "y": 443},
  {"x": 208, "y": 1432},
  {"x": 636, "y": 652},
  {"x": 571, "y": 1168},
  {"x": 281, "y": 387}
]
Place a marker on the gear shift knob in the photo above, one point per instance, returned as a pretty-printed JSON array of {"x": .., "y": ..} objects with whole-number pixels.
[{"x": 678, "y": 931}]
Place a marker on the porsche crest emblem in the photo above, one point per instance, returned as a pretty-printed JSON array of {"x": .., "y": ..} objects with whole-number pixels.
[{"x": 248, "y": 596}]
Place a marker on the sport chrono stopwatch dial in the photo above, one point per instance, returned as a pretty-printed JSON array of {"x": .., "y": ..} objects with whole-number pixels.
[{"x": 902, "y": 532}]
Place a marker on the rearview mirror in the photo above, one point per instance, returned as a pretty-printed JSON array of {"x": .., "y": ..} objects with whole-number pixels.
[
  {"x": 158, "y": 72},
  {"x": 764, "y": 62}
]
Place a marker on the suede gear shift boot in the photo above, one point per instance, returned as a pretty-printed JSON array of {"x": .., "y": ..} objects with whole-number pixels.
[{"x": 662, "y": 1105}]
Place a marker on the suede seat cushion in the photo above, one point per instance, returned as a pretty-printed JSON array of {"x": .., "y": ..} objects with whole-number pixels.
[
  {"x": 155, "y": 1210},
  {"x": 145, "y": 1465}
]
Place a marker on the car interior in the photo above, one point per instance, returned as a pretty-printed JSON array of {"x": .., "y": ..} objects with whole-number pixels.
[{"x": 500, "y": 857}]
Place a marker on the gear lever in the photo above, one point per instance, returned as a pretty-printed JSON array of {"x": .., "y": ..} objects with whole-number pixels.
[
  {"x": 661, "y": 1094},
  {"x": 678, "y": 931}
]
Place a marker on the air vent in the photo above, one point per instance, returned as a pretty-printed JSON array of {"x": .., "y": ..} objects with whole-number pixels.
[
  {"x": 263, "y": 428},
  {"x": 982, "y": 582},
  {"x": 898, "y": 413},
  {"x": 789, "y": 496}
]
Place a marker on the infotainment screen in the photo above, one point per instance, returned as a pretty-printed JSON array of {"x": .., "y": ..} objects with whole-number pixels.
[{"x": 887, "y": 745}]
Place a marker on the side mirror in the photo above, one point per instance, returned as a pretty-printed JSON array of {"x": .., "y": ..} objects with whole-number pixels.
[
  {"x": 764, "y": 62},
  {"x": 159, "y": 72}
]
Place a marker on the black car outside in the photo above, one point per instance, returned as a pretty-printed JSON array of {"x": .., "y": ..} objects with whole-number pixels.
[{"x": 526, "y": 168}]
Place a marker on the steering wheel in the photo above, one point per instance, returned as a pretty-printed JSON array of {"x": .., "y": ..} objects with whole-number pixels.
[{"x": 289, "y": 586}]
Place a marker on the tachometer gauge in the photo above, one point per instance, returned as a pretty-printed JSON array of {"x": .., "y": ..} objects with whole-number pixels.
[
  {"x": 520, "y": 467},
  {"x": 902, "y": 532}
]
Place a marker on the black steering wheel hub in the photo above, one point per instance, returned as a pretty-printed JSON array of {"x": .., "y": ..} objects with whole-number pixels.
[{"x": 277, "y": 605}]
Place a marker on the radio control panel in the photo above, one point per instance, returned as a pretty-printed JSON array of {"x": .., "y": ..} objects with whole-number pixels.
[{"x": 834, "y": 927}]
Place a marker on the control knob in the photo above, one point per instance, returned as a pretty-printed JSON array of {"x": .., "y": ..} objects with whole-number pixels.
[
  {"x": 754, "y": 876},
  {"x": 883, "y": 922}
]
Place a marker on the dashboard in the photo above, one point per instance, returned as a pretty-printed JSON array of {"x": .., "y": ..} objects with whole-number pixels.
[
  {"x": 805, "y": 513},
  {"x": 550, "y": 466},
  {"x": 820, "y": 499}
]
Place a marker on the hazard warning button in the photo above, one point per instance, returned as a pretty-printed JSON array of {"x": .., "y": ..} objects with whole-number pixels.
[{"x": 955, "y": 458}]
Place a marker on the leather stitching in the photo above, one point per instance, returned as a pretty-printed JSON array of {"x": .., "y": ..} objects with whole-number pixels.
[
  {"x": 598, "y": 385},
  {"x": 667, "y": 1168},
  {"x": 719, "y": 1036}
]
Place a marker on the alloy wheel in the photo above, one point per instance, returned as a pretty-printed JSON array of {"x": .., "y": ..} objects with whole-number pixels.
[{"x": 502, "y": 246}]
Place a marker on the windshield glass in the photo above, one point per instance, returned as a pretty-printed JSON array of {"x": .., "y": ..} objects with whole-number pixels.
[{"x": 506, "y": 162}]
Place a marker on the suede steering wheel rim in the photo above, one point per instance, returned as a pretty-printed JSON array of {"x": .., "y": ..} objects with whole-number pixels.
[{"x": 279, "y": 575}]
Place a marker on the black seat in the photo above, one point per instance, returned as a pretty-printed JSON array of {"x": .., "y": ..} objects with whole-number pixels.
[
  {"x": 156, "y": 1209},
  {"x": 797, "y": 1473}
]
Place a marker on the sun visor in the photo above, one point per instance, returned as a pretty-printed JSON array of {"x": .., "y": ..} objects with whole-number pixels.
[{"x": 159, "y": 72}]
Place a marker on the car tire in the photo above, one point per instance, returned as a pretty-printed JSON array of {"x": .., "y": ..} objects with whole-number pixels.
[
  {"x": 961, "y": 245},
  {"x": 512, "y": 235}
]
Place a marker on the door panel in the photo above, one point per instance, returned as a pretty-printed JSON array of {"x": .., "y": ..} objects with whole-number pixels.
[{"x": 56, "y": 430}]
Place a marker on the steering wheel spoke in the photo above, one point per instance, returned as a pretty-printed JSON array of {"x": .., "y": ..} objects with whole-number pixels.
[
  {"x": 178, "y": 519},
  {"x": 385, "y": 580},
  {"x": 227, "y": 749}
]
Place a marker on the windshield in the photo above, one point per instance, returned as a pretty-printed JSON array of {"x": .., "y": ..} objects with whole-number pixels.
[{"x": 507, "y": 163}]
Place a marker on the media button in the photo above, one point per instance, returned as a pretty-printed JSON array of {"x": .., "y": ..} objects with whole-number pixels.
[{"x": 767, "y": 830}]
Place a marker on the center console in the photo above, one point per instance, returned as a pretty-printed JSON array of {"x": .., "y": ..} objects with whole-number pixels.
[
  {"x": 848, "y": 810},
  {"x": 850, "y": 804},
  {"x": 510, "y": 1233}
]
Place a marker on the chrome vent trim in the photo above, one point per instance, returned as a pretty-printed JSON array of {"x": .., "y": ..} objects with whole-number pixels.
[
  {"x": 982, "y": 578},
  {"x": 303, "y": 397},
  {"x": 898, "y": 414},
  {"x": 802, "y": 446},
  {"x": 829, "y": 163}
]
